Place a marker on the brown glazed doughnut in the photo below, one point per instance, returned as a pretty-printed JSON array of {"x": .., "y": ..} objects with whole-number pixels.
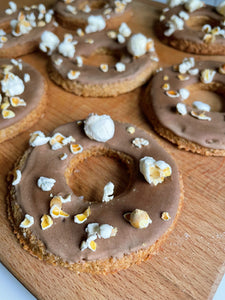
[
  {"x": 61, "y": 243},
  {"x": 23, "y": 97},
  {"x": 100, "y": 79},
  {"x": 192, "y": 127},
  {"x": 200, "y": 31},
  {"x": 75, "y": 14},
  {"x": 20, "y": 31}
]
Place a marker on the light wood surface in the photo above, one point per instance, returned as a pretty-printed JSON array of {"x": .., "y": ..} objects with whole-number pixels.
[{"x": 190, "y": 263}]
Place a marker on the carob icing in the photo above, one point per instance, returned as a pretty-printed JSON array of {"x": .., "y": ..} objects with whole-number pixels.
[{"x": 64, "y": 237}]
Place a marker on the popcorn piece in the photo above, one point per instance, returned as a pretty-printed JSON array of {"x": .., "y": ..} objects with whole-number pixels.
[
  {"x": 165, "y": 77},
  {"x": 76, "y": 148},
  {"x": 79, "y": 61},
  {"x": 89, "y": 243},
  {"x": 99, "y": 128},
  {"x": 80, "y": 32},
  {"x": 165, "y": 216},
  {"x": 8, "y": 114},
  {"x": 221, "y": 8},
  {"x": 172, "y": 94},
  {"x": 150, "y": 45},
  {"x": 138, "y": 218},
  {"x": 45, "y": 183},
  {"x": 71, "y": 9},
  {"x": 193, "y": 5},
  {"x": 46, "y": 222},
  {"x": 154, "y": 171},
  {"x": 112, "y": 34},
  {"x": 173, "y": 3},
  {"x": 12, "y": 85},
  {"x": 95, "y": 23},
  {"x": 119, "y": 6},
  {"x": 200, "y": 115},
  {"x": 72, "y": 75},
  {"x": 104, "y": 67},
  {"x": 56, "y": 200},
  {"x": 57, "y": 141},
  {"x": 49, "y": 42},
  {"x": 26, "y": 77},
  {"x": 27, "y": 222},
  {"x": 66, "y": 199},
  {"x": 186, "y": 65},
  {"x": 124, "y": 30},
  {"x": 12, "y": 9},
  {"x": 201, "y": 106},
  {"x": 17, "y": 101},
  {"x": 193, "y": 71},
  {"x": 209, "y": 38},
  {"x": 140, "y": 142},
  {"x": 166, "y": 87},
  {"x": 183, "y": 15},
  {"x": 3, "y": 39},
  {"x": 86, "y": 9},
  {"x": 17, "y": 177},
  {"x": 121, "y": 39},
  {"x": 120, "y": 67},
  {"x": 67, "y": 47},
  {"x": 63, "y": 156},
  {"x": 175, "y": 23},
  {"x": 107, "y": 11},
  {"x": 106, "y": 231},
  {"x": 108, "y": 192},
  {"x": 181, "y": 108},
  {"x": 131, "y": 129},
  {"x": 81, "y": 218},
  {"x": 206, "y": 28},
  {"x": 89, "y": 41},
  {"x": 20, "y": 26},
  {"x": 184, "y": 94},
  {"x": 38, "y": 139},
  {"x": 207, "y": 75},
  {"x": 183, "y": 77},
  {"x": 56, "y": 212},
  {"x": 137, "y": 45}
]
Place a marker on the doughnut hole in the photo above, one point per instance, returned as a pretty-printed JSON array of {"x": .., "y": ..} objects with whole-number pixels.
[
  {"x": 94, "y": 4},
  {"x": 103, "y": 56},
  {"x": 89, "y": 171},
  {"x": 212, "y": 94},
  {"x": 197, "y": 22}
]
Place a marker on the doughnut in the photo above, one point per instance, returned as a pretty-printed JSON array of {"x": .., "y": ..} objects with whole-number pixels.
[
  {"x": 193, "y": 27},
  {"x": 22, "y": 97},
  {"x": 77, "y": 14},
  {"x": 192, "y": 125},
  {"x": 20, "y": 29},
  {"x": 73, "y": 63},
  {"x": 115, "y": 230}
]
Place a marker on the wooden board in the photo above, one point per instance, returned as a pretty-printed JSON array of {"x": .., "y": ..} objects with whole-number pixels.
[{"x": 190, "y": 263}]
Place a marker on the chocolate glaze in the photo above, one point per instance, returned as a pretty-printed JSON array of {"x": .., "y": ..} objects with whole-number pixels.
[
  {"x": 64, "y": 237},
  {"x": 33, "y": 92},
  {"x": 189, "y": 34},
  {"x": 209, "y": 134},
  {"x": 92, "y": 74}
]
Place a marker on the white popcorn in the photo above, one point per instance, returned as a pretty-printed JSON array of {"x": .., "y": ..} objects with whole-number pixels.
[
  {"x": 63, "y": 156},
  {"x": 27, "y": 222},
  {"x": 95, "y": 23},
  {"x": 183, "y": 15},
  {"x": 20, "y": 26},
  {"x": 181, "y": 108},
  {"x": 193, "y": 5},
  {"x": 92, "y": 229},
  {"x": 48, "y": 17},
  {"x": 87, "y": 9},
  {"x": 186, "y": 65},
  {"x": 71, "y": 9},
  {"x": 124, "y": 30},
  {"x": 206, "y": 28},
  {"x": 154, "y": 171},
  {"x": 140, "y": 142},
  {"x": 80, "y": 32},
  {"x": 184, "y": 94},
  {"x": 175, "y": 23},
  {"x": 45, "y": 183},
  {"x": 12, "y": 85},
  {"x": 200, "y": 115},
  {"x": 194, "y": 71},
  {"x": 12, "y": 9},
  {"x": 42, "y": 8},
  {"x": 38, "y": 138},
  {"x": 73, "y": 74},
  {"x": 17, "y": 177},
  {"x": 221, "y": 8},
  {"x": 2, "y": 32},
  {"x": 207, "y": 75},
  {"x": 99, "y": 128},
  {"x": 120, "y": 38},
  {"x": 49, "y": 42},
  {"x": 67, "y": 47},
  {"x": 79, "y": 61},
  {"x": 17, "y": 63},
  {"x": 201, "y": 106},
  {"x": 58, "y": 61},
  {"x": 105, "y": 231},
  {"x": 120, "y": 67},
  {"x": 104, "y": 67},
  {"x": 173, "y": 3},
  {"x": 137, "y": 44},
  {"x": 108, "y": 192},
  {"x": 26, "y": 77}
]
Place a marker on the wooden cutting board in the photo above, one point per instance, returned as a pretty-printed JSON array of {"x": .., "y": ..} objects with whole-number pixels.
[{"x": 190, "y": 263}]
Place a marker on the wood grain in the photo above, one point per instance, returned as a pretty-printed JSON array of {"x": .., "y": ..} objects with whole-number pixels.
[{"x": 190, "y": 263}]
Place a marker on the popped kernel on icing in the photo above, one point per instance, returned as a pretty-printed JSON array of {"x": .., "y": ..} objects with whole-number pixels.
[
  {"x": 200, "y": 115},
  {"x": 140, "y": 142},
  {"x": 12, "y": 85},
  {"x": 27, "y": 222},
  {"x": 71, "y": 9},
  {"x": 100, "y": 128},
  {"x": 95, "y": 23},
  {"x": 138, "y": 44},
  {"x": 173, "y": 3},
  {"x": 201, "y": 106},
  {"x": 67, "y": 46},
  {"x": 49, "y": 42},
  {"x": 165, "y": 216},
  {"x": 108, "y": 192},
  {"x": 63, "y": 156},
  {"x": 131, "y": 129},
  {"x": 17, "y": 177},
  {"x": 17, "y": 101},
  {"x": 207, "y": 75},
  {"x": 76, "y": 148},
  {"x": 58, "y": 140},
  {"x": 104, "y": 67},
  {"x": 193, "y": 5},
  {"x": 57, "y": 212},
  {"x": 181, "y": 109},
  {"x": 81, "y": 218},
  {"x": 120, "y": 67},
  {"x": 138, "y": 218},
  {"x": 46, "y": 222},
  {"x": 186, "y": 65},
  {"x": 45, "y": 183},
  {"x": 175, "y": 23},
  {"x": 172, "y": 93},
  {"x": 38, "y": 138},
  {"x": 12, "y": 8},
  {"x": 73, "y": 74},
  {"x": 154, "y": 171},
  {"x": 124, "y": 30}
]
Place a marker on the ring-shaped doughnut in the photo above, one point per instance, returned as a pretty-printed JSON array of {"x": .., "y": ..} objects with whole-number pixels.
[
  {"x": 60, "y": 244},
  {"x": 197, "y": 130},
  {"x": 192, "y": 37}
]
